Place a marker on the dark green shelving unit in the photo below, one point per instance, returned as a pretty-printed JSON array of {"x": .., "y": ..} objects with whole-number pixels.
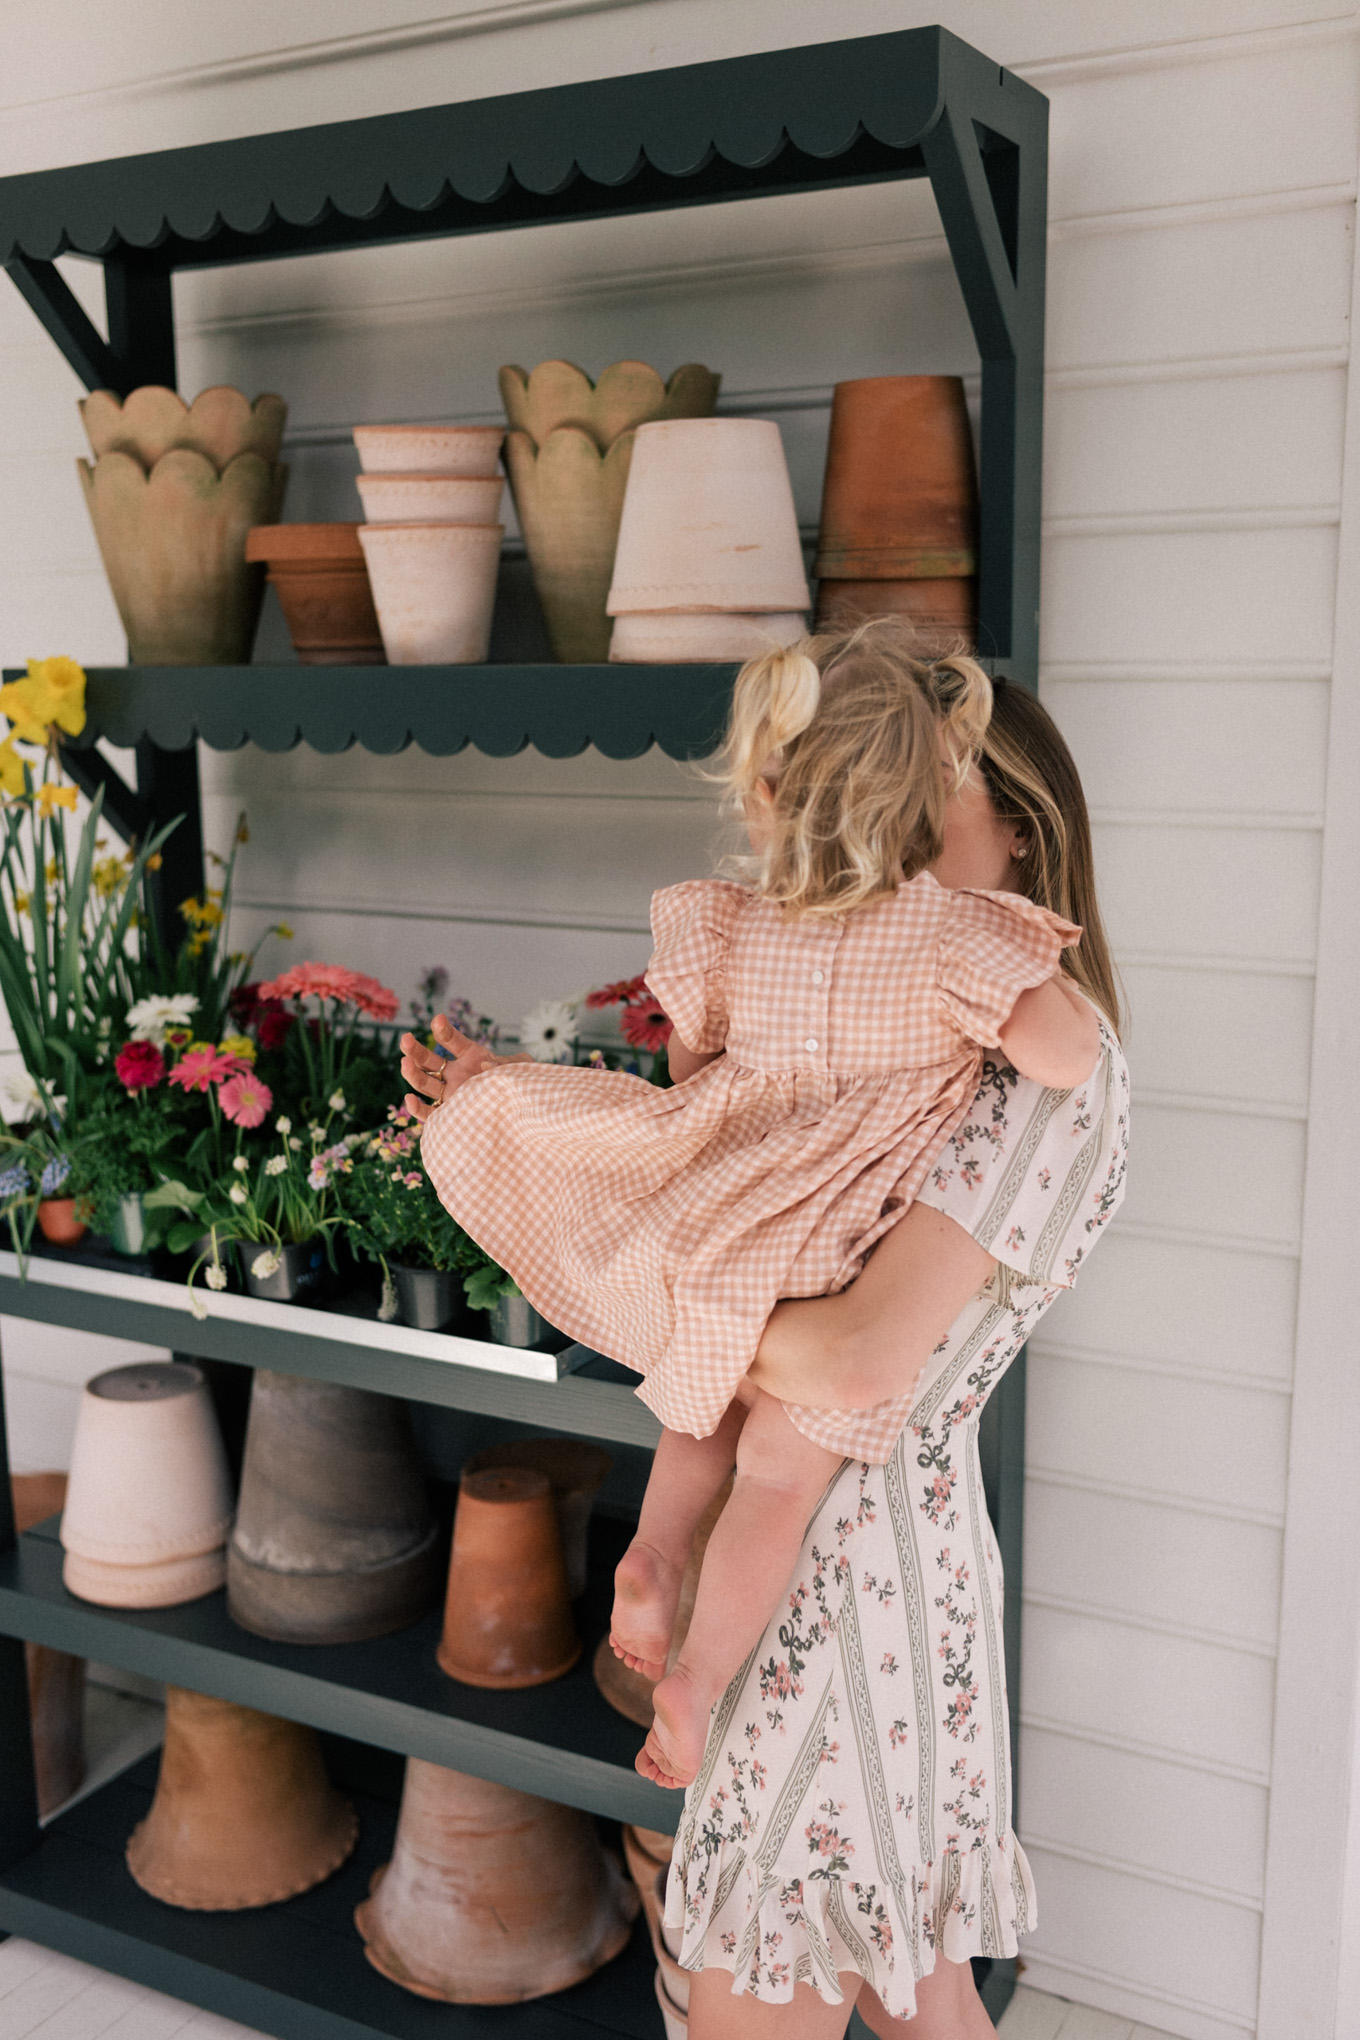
[{"x": 919, "y": 103}]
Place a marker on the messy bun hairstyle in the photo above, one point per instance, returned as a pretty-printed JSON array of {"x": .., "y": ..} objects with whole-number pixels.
[{"x": 859, "y": 744}]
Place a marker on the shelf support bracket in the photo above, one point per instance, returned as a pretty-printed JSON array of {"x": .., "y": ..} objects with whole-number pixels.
[
  {"x": 18, "y": 1784},
  {"x": 126, "y": 813},
  {"x": 45, "y": 290}
]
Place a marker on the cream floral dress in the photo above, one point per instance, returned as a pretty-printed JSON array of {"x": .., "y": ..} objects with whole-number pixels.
[{"x": 852, "y": 1812}]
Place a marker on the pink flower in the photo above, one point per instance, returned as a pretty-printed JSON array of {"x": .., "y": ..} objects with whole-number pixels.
[
  {"x": 140, "y": 1066},
  {"x": 245, "y": 1100},
  {"x": 198, "y": 1069},
  {"x": 312, "y": 981},
  {"x": 374, "y": 999},
  {"x": 645, "y": 1025},
  {"x": 624, "y": 992}
]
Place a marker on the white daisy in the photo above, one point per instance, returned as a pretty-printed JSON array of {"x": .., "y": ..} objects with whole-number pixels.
[
  {"x": 276, "y": 1165},
  {"x": 149, "y": 1019},
  {"x": 548, "y": 1034}
]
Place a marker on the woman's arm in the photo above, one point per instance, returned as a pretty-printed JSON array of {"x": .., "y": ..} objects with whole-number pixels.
[
  {"x": 1052, "y": 1036},
  {"x": 872, "y": 1341}
]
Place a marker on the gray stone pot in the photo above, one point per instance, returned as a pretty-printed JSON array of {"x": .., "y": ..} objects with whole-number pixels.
[
  {"x": 515, "y": 1322},
  {"x": 427, "y": 1298},
  {"x": 302, "y": 1276}
]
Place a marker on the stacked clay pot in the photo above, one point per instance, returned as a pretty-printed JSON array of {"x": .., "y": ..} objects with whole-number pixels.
[
  {"x": 492, "y": 1896},
  {"x": 320, "y": 577},
  {"x": 334, "y": 1539},
  {"x": 431, "y": 495},
  {"x": 149, "y": 1503},
  {"x": 244, "y": 1814},
  {"x": 56, "y": 1679},
  {"x": 568, "y": 453},
  {"x": 647, "y": 1853},
  {"x": 507, "y": 1616},
  {"x": 709, "y": 564},
  {"x": 172, "y": 492},
  {"x": 899, "y": 508}
]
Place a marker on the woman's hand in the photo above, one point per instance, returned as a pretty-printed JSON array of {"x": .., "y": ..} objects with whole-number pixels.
[{"x": 434, "y": 1075}]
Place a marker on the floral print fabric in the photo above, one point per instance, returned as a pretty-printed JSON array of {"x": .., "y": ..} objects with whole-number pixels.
[{"x": 852, "y": 1812}]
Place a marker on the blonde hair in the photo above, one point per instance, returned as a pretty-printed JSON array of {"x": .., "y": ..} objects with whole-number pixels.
[{"x": 845, "y": 729}]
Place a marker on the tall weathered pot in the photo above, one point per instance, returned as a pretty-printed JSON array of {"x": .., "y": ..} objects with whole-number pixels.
[{"x": 56, "y": 1679}]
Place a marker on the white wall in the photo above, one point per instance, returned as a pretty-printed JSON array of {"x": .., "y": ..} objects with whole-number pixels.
[{"x": 1202, "y": 198}]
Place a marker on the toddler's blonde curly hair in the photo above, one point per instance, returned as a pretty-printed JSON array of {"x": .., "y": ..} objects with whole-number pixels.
[{"x": 857, "y": 744}]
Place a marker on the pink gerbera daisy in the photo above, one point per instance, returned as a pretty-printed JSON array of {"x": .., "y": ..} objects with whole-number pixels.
[
  {"x": 198, "y": 1069},
  {"x": 312, "y": 981},
  {"x": 245, "y": 1100},
  {"x": 645, "y": 1026},
  {"x": 372, "y": 998}
]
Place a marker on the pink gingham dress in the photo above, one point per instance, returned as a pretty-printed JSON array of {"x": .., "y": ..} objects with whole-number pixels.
[{"x": 662, "y": 1226}]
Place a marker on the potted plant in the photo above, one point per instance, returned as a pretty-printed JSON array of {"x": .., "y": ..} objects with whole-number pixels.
[{"x": 398, "y": 1223}]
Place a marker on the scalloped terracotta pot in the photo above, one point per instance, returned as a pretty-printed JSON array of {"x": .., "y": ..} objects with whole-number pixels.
[
  {"x": 220, "y": 423},
  {"x": 149, "y": 1503},
  {"x": 492, "y": 1896},
  {"x": 244, "y": 1814},
  {"x": 575, "y": 1471},
  {"x": 434, "y": 588},
  {"x": 56, "y": 1679},
  {"x": 334, "y": 1539},
  {"x": 569, "y": 499},
  {"x": 507, "y": 1614},
  {"x": 626, "y": 394},
  {"x": 319, "y": 574}
]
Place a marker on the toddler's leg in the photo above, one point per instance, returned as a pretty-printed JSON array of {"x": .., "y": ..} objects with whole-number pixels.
[
  {"x": 686, "y": 1474},
  {"x": 750, "y": 1558}
]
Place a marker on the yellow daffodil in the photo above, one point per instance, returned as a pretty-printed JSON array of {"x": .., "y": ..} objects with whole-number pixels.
[
  {"x": 52, "y": 692},
  {"x": 49, "y": 797},
  {"x": 109, "y": 874},
  {"x": 238, "y": 1045},
  {"x": 11, "y": 768},
  {"x": 282, "y": 930},
  {"x": 205, "y": 913},
  {"x": 22, "y": 902}
]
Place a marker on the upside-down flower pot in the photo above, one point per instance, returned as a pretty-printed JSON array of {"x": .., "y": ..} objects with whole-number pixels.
[
  {"x": 434, "y": 588},
  {"x": 708, "y": 522},
  {"x": 428, "y": 449},
  {"x": 507, "y": 1615},
  {"x": 671, "y": 637},
  {"x": 244, "y": 1814},
  {"x": 942, "y": 613},
  {"x": 628, "y": 393},
  {"x": 569, "y": 498},
  {"x": 334, "y": 1540},
  {"x": 492, "y": 1896},
  {"x": 173, "y": 542},
  {"x": 149, "y": 1504},
  {"x": 575, "y": 1471},
  {"x": 318, "y": 573},
  {"x": 431, "y": 499},
  {"x": 56, "y": 1679},
  {"x": 220, "y": 423}
]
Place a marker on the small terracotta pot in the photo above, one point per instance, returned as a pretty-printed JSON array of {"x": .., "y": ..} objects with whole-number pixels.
[
  {"x": 428, "y": 449},
  {"x": 899, "y": 501},
  {"x": 627, "y": 1691},
  {"x": 244, "y": 1814},
  {"x": 58, "y": 1223},
  {"x": 700, "y": 635},
  {"x": 56, "y": 1680},
  {"x": 628, "y": 393},
  {"x": 708, "y": 521},
  {"x": 319, "y": 576},
  {"x": 507, "y": 1615},
  {"x": 220, "y": 423},
  {"x": 575, "y": 1471},
  {"x": 431, "y": 499},
  {"x": 434, "y": 588},
  {"x": 334, "y": 1540},
  {"x": 569, "y": 498},
  {"x": 149, "y": 1503},
  {"x": 942, "y": 613},
  {"x": 492, "y": 1896}
]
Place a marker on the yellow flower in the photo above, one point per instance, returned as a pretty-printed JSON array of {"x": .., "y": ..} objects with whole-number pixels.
[
  {"x": 11, "y": 768},
  {"x": 109, "y": 874},
  {"x": 282, "y": 930},
  {"x": 201, "y": 914},
  {"x": 52, "y": 692},
  {"x": 22, "y": 902},
  {"x": 50, "y": 797},
  {"x": 238, "y": 1045}
]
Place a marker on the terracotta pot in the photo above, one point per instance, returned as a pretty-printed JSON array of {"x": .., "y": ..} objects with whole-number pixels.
[
  {"x": 899, "y": 501},
  {"x": 492, "y": 1896},
  {"x": 569, "y": 498},
  {"x": 221, "y": 422},
  {"x": 428, "y": 449},
  {"x": 173, "y": 545},
  {"x": 649, "y": 1881},
  {"x": 628, "y": 393},
  {"x": 507, "y": 1615},
  {"x": 427, "y": 1298},
  {"x": 244, "y": 1814},
  {"x": 515, "y": 1322},
  {"x": 434, "y": 588},
  {"x": 149, "y": 1503},
  {"x": 334, "y": 1540},
  {"x": 627, "y": 1691},
  {"x": 943, "y": 613},
  {"x": 431, "y": 499},
  {"x": 56, "y": 1680},
  {"x": 700, "y": 635},
  {"x": 58, "y": 1224},
  {"x": 708, "y": 521},
  {"x": 319, "y": 575},
  {"x": 303, "y": 1274},
  {"x": 575, "y": 1470}
]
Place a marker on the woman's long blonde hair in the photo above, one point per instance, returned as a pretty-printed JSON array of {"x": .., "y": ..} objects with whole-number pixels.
[{"x": 844, "y": 730}]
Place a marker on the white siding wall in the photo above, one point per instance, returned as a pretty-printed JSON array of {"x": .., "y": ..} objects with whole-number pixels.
[{"x": 1203, "y": 184}]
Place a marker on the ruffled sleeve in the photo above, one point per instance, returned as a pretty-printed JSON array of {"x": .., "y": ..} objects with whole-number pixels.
[
  {"x": 993, "y": 946},
  {"x": 692, "y": 926}
]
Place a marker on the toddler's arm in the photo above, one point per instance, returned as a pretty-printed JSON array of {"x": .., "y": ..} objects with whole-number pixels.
[
  {"x": 1053, "y": 1035},
  {"x": 684, "y": 1062}
]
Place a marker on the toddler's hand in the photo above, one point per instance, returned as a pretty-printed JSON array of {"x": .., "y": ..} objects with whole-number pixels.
[{"x": 434, "y": 1075}]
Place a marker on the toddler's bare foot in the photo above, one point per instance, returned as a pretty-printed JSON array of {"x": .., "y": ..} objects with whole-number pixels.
[
  {"x": 674, "y": 1749},
  {"x": 646, "y": 1595}
]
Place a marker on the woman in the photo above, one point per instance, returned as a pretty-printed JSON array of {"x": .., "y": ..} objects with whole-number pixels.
[{"x": 847, "y": 1840}]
